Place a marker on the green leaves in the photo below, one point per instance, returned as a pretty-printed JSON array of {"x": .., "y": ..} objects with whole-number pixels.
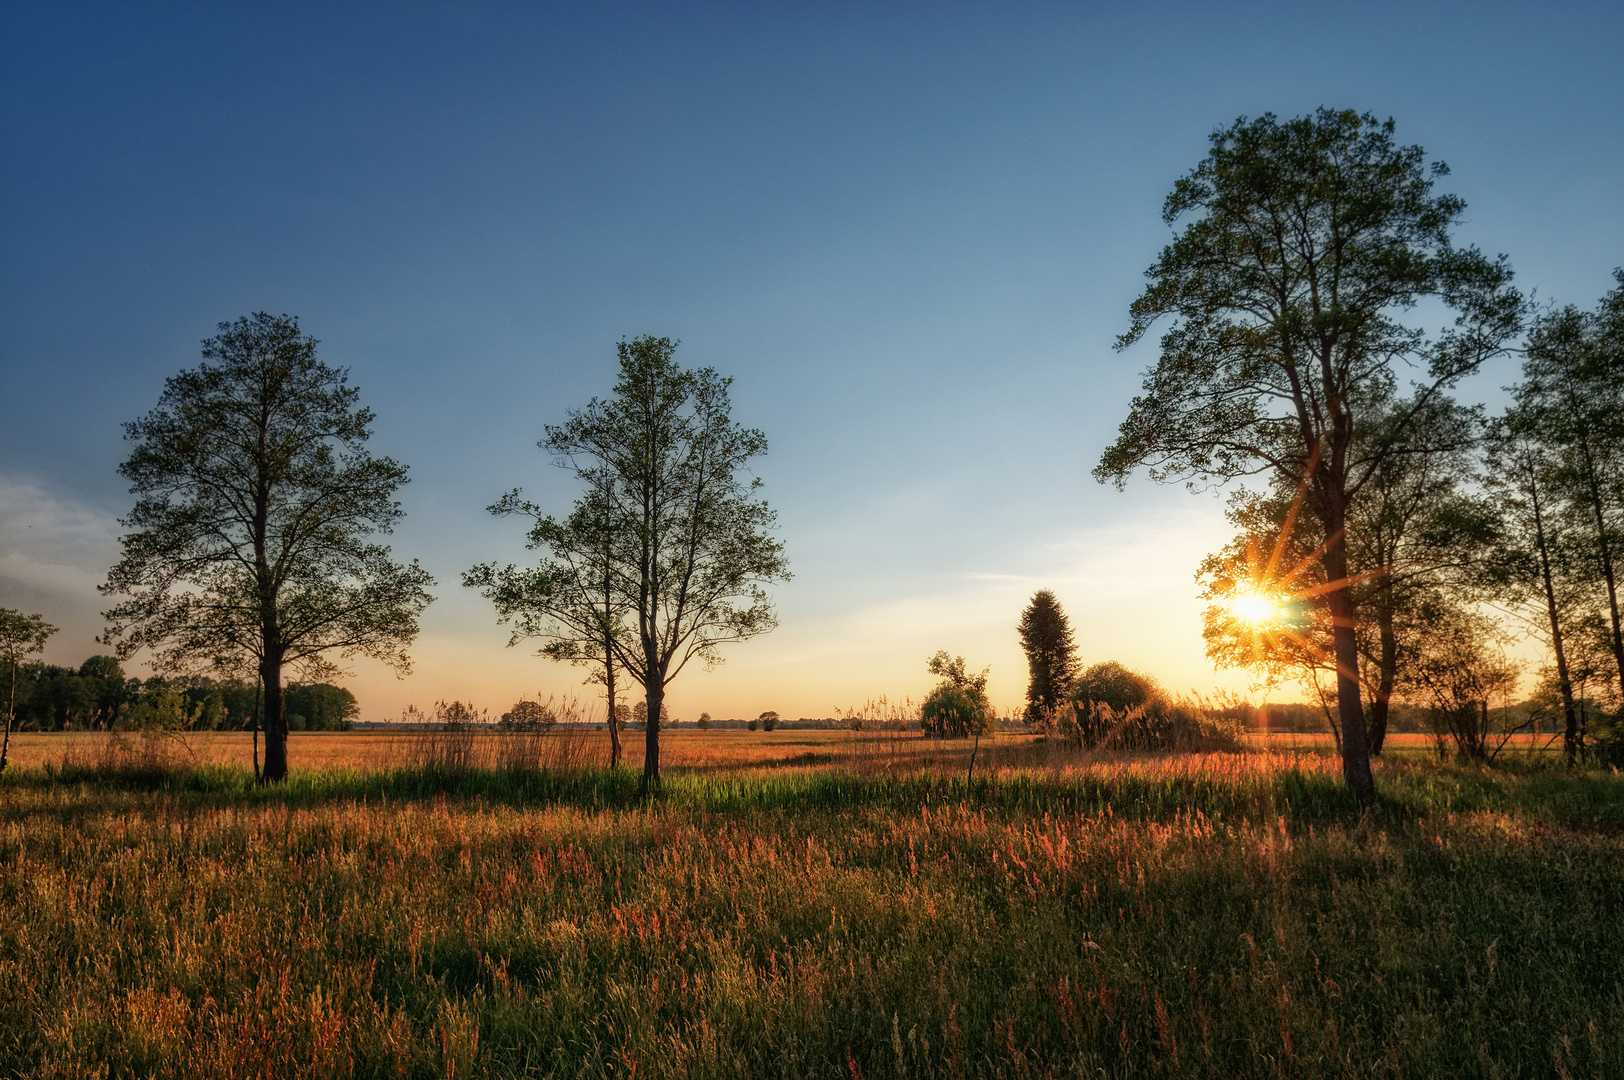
[
  {"x": 251, "y": 540},
  {"x": 664, "y": 556}
]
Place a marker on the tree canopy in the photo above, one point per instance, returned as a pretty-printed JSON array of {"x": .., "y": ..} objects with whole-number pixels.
[
  {"x": 1051, "y": 654},
  {"x": 665, "y": 556},
  {"x": 1303, "y": 244},
  {"x": 251, "y": 544},
  {"x": 20, "y": 636}
]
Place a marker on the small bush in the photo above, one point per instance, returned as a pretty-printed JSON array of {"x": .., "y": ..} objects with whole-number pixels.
[{"x": 956, "y": 712}]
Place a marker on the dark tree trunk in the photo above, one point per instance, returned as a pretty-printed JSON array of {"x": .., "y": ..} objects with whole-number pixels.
[
  {"x": 1616, "y": 639},
  {"x": 651, "y": 753},
  {"x": 1381, "y": 704},
  {"x": 1570, "y": 732},
  {"x": 11, "y": 710},
  {"x": 1355, "y": 748},
  {"x": 609, "y": 688},
  {"x": 276, "y": 721}
]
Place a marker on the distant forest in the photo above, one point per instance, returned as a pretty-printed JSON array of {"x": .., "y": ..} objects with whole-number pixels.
[{"x": 97, "y": 696}]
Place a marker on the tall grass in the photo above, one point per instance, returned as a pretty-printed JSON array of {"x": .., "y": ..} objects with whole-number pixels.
[{"x": 880, "y": 916}]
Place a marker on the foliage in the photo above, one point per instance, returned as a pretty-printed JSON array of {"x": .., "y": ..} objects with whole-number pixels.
[
  {"x": 21, "y": 636},
  {"x": 528, "y": 715},
  {"x": 665, "y": 556},
  {"x": 769, "y": 720},
  {"x": 1305, "y": 240},
  {"x": 1416, "y": 528},
  {"x": 251, "y": 541},
  {"x": 1113, "y": 706},
  {"x": 1110, "y": 683},
  {"x": 958, "y": 707},
  {"x": 97, "y": 696},
  {"x": 704, "y": 721},
  {"x": 1456, "y": 668},
  {"x": 321, "y": 707},
  {"x": 1051, "y": 654}
]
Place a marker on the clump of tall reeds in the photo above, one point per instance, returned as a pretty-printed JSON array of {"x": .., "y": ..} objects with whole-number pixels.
[
  {"x": 455, "y": 742},
  {"x": 1160, "y": 723}
]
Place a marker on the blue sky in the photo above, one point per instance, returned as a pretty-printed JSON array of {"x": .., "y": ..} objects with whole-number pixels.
[{"x": 910, "y": 233}]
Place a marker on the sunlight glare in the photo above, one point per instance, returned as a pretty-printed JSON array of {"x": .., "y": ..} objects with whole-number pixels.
[{"x": 1255, "y": 607}]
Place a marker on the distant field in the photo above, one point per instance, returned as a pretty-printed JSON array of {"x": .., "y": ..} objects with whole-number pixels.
[
  {"x": 802, "y": 904},
  {"x": 682, "y": 749}
]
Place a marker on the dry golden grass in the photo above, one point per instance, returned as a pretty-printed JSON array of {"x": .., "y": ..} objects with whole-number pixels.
[{"x": 803, "y": 904}]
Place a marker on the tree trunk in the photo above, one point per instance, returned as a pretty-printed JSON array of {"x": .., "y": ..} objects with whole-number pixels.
[
  {"x": 1355, "y": 749},
  {"x": 1606, "y": 551},
  {"x": 1570, "y": 734},
  {"x": 1388, "y": 673},
  {"x": 11, "y": 710},
  {"x": 276, "y": 720},
  {"x": 259, "y": 689},
  {"x": 655, "y": 700},
  {"x": 609, "y": 688}
]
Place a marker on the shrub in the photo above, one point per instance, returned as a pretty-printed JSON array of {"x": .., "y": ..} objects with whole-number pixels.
[
  {"x": 1117, "y": 707},
  {"x": 955, "y": 712},
  {"x": 1112, "y": 684},
  {"x": 752, "y": 725},
  {"x": 958, "y": 707}
]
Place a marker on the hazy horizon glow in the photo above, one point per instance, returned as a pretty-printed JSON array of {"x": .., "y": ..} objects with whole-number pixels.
[{"x": 911, "y": 235}]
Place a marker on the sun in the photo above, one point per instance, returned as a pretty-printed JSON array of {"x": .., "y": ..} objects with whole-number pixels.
[{"x": 1255, "y": 608}]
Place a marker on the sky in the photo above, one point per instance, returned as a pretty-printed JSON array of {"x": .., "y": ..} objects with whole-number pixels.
[{"x": 910, "y": 233}]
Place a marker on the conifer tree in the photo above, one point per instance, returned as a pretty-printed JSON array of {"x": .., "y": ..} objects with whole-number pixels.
[{"x": 1051, "y": 654}]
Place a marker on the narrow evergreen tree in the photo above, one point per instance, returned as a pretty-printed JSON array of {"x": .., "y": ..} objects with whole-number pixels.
[{"x": 1051, "y": 654}]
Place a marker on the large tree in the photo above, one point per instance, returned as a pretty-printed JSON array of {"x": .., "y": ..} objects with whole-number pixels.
[
  {"x": 21, "y": 636},
  {"x": 1051, "y": 655},
  {"x": 672, "y": 543},
  {"x": 253, "y": 535},
  {"x": 1306, "y": 241}
]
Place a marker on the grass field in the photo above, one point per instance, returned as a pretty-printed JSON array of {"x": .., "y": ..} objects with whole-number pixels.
[{"x": 803, "y": 904}]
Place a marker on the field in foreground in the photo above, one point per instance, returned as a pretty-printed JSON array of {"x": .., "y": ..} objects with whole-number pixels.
[{"x": 825, "y": 909}]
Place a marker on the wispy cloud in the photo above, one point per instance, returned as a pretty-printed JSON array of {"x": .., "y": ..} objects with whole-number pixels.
[{"x": 54, "y": 551}]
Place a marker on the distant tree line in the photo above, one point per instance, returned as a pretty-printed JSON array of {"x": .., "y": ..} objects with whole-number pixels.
[{"x": 98, "y": 696}]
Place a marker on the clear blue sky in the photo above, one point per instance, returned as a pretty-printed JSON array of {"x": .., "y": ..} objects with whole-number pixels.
[{"x": 909, "y": 232}]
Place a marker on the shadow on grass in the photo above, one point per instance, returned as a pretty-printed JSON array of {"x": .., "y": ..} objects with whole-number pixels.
[{"x": 1588, "y": 800}]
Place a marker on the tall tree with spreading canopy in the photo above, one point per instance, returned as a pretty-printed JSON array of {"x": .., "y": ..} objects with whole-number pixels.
[
  {"x": 252, "y": 537},
  {"x": 21, "y": 636},
  {"x": 1306, "y": 241},
  {"x": 673, "y": 545},
  {"x": 1051, "y": 654}
]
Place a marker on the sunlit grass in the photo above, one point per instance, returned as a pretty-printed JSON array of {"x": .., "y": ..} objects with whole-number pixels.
[{"x": 873, "y": 911}]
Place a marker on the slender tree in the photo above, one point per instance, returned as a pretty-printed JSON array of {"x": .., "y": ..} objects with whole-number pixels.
[
  {"x": 1572, "y": 399},
  {"x": 1308, "y": 238},
  {"x": 1051, "y": 655},
  {"x": 1533, "y": 565},
  {"x": 253, "y": 531},
  {"x": 21, "y": 636},
  {"x": 571, "y": 600},
  {"x": 685, "y": 543}
]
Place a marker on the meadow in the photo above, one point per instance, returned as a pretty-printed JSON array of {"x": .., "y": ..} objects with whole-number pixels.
[{"x": 802, "y": 904}]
